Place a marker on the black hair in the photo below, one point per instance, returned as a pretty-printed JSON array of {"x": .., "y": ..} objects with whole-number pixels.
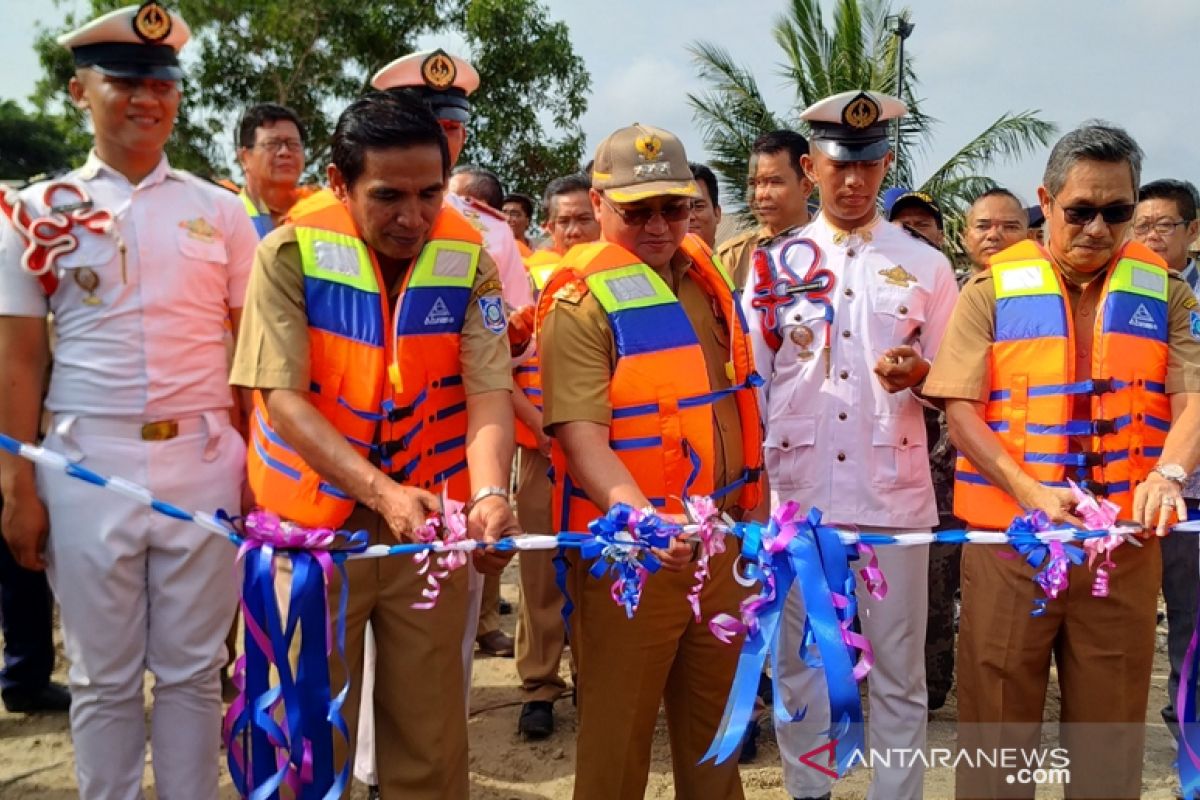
[
  {"x": 1182, "y": 192},
  {"x": 523, "y": 200},
  {"x": 483, "y": 184},
  {"x": 380, "y": 121},
  {"x": 702, "y": 173},
  {"x": 567, "y": 184},
  {"x": 260, "y": 114},
  {"x": 780, "y": 141}
]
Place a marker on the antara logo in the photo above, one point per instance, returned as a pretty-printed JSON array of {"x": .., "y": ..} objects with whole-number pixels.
[{"x": 813, "y": 758}]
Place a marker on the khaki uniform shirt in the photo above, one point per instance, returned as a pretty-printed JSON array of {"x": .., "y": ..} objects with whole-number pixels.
[
  {"x": 579, "y": 356},
  {"x": 962, "y": 368},
  {"x": 272, "y": 349},
  {"x": 735, "y": 254}
]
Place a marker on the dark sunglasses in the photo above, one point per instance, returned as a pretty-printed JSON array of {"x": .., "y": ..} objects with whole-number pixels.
[
  {"x": 1113, "y": 215},
  {"x": 637, "y": 216}
]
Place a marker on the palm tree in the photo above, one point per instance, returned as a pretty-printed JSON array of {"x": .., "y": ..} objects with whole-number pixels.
[{"x": 859, "y": 52}]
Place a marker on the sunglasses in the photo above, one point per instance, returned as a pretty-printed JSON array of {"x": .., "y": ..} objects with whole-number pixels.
[
  {"x": 1114, "y": 214},
  {"x": 675, "y": 211}
]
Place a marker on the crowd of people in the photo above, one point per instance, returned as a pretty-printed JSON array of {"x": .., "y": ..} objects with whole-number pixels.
[{"x": 411, "y": 332}]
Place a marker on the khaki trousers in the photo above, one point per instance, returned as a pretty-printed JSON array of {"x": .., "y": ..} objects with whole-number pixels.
[
  {"x": 540, "y": 628},
  {"x": 1103, "y": 648},
  {"x": 420, "y": 708},
  {"x": 628, "y": 667}
]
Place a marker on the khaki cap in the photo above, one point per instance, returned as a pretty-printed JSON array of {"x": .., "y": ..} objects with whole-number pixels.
[{"x": 640, "y": 161}]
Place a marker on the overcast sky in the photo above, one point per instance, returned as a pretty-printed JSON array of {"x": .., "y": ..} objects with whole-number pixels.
[{"x": 1131, "y": 63}]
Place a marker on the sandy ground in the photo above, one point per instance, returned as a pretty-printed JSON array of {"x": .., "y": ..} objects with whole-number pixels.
[{"x": 36, "y": 756}]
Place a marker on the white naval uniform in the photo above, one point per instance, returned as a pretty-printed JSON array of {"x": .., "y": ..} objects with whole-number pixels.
[
  {"x": 515, "y": 288},
  {"x": 858, "y": 453},
  {"x": 139, "y": 590}
]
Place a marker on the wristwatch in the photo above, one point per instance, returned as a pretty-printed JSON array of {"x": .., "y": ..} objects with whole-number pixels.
[
  {"x": 487, "y": 491},
  {"x": 1172, "y": 472}
]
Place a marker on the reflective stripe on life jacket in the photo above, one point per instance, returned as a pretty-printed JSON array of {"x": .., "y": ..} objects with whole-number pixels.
[
  {"x": 662, "y": 424},
  {"x": 395, "y": 391},
  {"x": 1034, "y": 387}
]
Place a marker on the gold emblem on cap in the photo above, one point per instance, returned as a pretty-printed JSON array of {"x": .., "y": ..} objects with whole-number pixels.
[
  {"x": 649, "y": 146},
  {"x": 152, "y": 22},
  {"x": 861, "y": 112},
  {"x": 438, "y": 70}
]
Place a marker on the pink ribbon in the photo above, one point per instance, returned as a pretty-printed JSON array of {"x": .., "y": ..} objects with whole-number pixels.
[
  {"x": 436, "y": 567},
  {"x": 1098, "y": 515},
  {"x": 727, "y": 627},
  {"x": 704, "y": 511}
]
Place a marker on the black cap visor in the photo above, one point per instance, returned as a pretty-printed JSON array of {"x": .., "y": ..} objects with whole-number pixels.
[
  {"x": 912, "y": 201},
  {"x": 852, "y": 151},
  {"x": 121, "y": 60},
  {"x": 449, "y": 104}
]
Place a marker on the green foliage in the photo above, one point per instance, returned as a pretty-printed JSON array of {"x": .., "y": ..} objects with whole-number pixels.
[
  {"x": 35, "y": 144},
  {"x": 317, "y": 55},
  {"x": 857, "y": 52}
]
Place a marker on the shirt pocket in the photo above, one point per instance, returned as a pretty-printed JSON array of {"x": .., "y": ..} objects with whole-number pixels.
[
  {"x": 897, "y": 318},
  {"x": 92, "y": 269},
  {"x": 211, "y": 251},
  {"x": 790, "y": 453},
  {"x": 898, "y": 453}
]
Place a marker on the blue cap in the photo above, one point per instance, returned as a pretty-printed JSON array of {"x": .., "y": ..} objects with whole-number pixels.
[
  {"x": 1036, "y": 217},
  {"x": 899, "y": 197}
]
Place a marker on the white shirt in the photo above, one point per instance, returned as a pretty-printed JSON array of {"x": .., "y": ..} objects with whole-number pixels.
[
  {"x": 500, "y": 244},
  {"x": 843, "y": 443},
  {"x": 153, "y": 347}
]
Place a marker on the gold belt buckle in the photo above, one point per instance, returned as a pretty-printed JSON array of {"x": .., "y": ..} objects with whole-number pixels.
[{"x": 160, "y": 431}]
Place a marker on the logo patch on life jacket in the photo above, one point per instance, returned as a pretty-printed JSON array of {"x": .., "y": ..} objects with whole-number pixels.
[
  {"x": 1142, "y": 318},
  {"x": 439, "y": 314},
  {"x": 630, "y": 287},
  {"x": 1012, "y": 280},
  {"x": 493, "y": 314},
  {"x": 1196, "y": 325}
]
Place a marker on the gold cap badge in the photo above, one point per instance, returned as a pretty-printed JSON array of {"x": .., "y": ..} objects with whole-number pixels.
[
  {"x": 438, "y": 70},
  {"x": 649, "y": 146},
  {"x": 861, "y": 112},
  {"x": 152, "y": 22}
]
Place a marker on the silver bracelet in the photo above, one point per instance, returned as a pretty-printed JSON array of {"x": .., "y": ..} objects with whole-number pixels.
[{"x": 487, "y": 491}]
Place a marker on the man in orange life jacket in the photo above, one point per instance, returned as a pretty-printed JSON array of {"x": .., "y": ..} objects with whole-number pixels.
[
  {"x": 365, "y": 415},
  {"x": 569, "y": 221},
  {"x": 648, "y": 392},
  {"x": 1076, "y": 362}
]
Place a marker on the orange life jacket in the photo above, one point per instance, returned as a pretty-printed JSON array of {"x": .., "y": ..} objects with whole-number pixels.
[
  {"x": 662, "y": 425},
  {"x": 527, "y": 376},
  {"x": 1034, "y": 386},
  {"x": 390, "y": 383}
]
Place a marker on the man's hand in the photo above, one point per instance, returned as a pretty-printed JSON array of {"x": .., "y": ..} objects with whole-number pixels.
[
  {"x": 676, "y": 557},
  {"x": 490, "y": 520},
  {"x": 520, "y": 330},
  {"x": 1058, "y": 504},
  {"x": 901, "y": 368},
  {"x": 1154, "y": 500},
  {"x": 26, "y": 525},
  {"x": 405, "y": 508},
  {"x": 544, "y": 442}
]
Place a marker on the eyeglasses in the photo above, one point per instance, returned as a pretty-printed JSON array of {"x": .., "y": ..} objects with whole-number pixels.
[
  {"x": 275, "y": 145},
  {"x": 1163, "y": 227},
  {"x": 1113, "y": 214},
  {"x": 638, "y": 216}
]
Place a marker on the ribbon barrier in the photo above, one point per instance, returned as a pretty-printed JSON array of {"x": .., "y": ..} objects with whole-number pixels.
[{"x": 279, "y": 734}]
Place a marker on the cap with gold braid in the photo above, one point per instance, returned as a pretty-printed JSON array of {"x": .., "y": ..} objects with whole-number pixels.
[
  {"x": 640, "y": 161},
  {"x": 131, "y": 42},
  {"x": 444, "y": 81},
  {"x": 853, "y": 126}
]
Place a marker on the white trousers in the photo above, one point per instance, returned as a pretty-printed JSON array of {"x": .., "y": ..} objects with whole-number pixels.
[
  {"x": 364, "y": 752},
  {"x": 898, "y": 704},
  {"x": 140, "y": 591}
]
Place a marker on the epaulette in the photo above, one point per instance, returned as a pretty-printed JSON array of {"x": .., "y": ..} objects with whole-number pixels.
[
  {"x": 572, "y": 292},
  {"x": 484, "y": 208}
]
